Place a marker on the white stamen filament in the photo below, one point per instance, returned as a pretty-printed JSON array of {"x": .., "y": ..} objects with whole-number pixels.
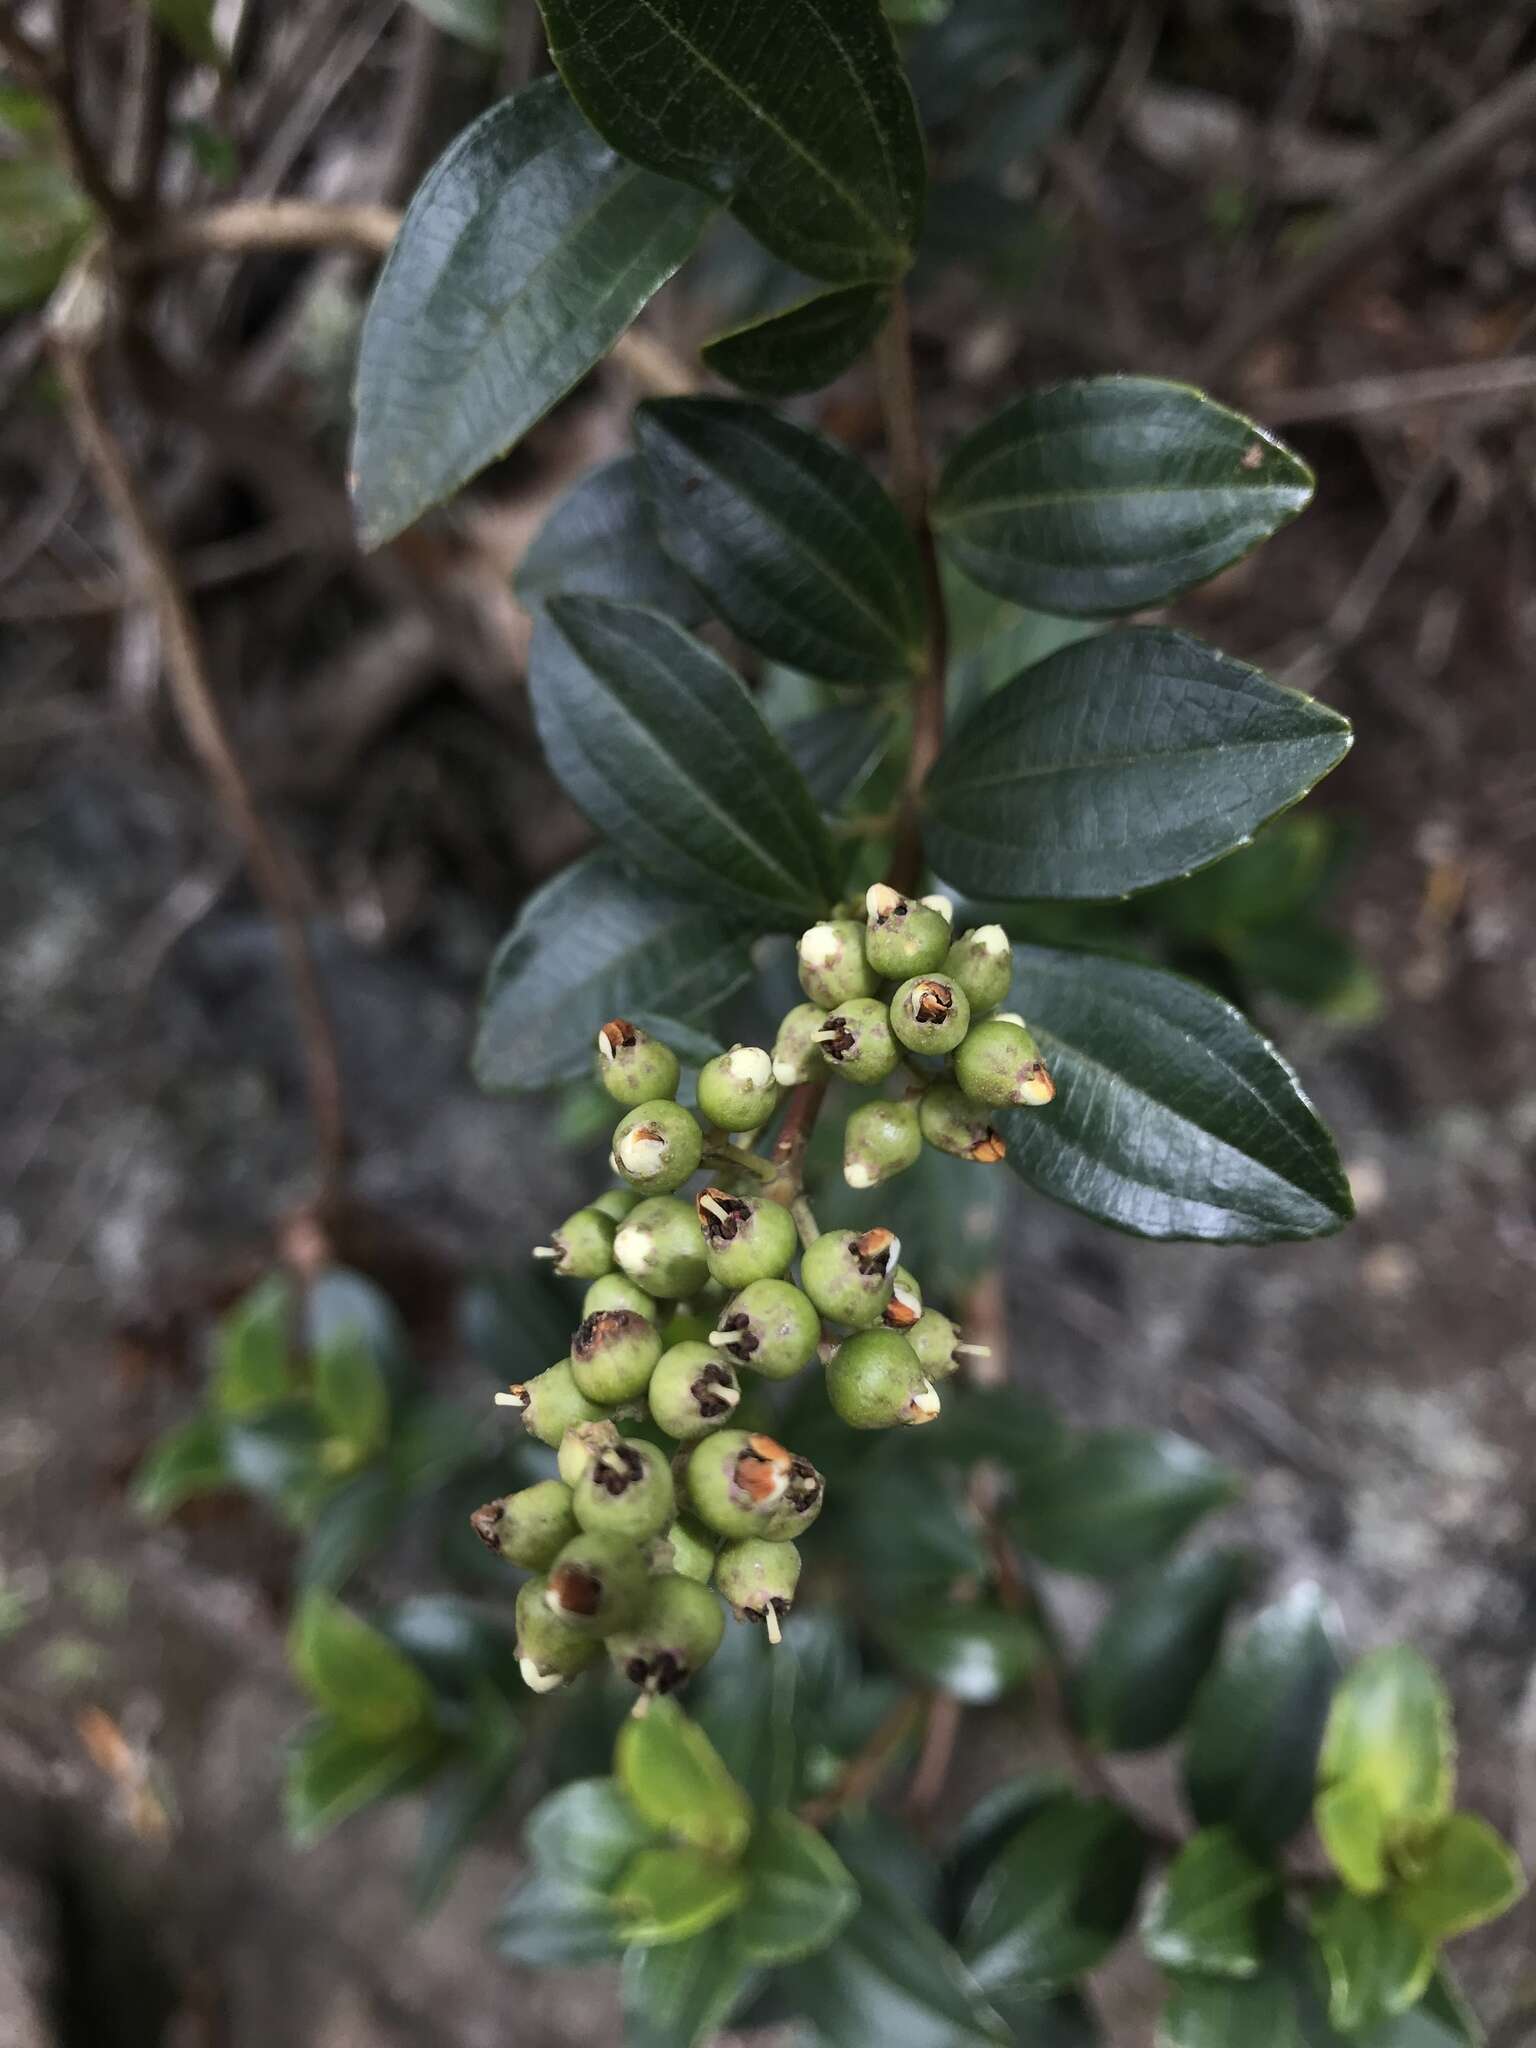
[
  {"x": 722, "y": 1337},
  {"x": 771, "y": 1623},
  {"x": 973, "y": 1351},
  {"x": 545, "y": 1251},
  {"x": 716, "y": 1209}
]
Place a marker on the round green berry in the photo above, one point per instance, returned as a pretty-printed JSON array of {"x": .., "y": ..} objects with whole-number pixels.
[
  {"x": 549, "y": 1651},
  {"x": 617, "y": 1290},
  {"x": 833, "y": 969},
  {"x": 597, "y": 1583},
  {"x": 759, "y": 1580},
  {"x": 625, "y": 1491},
  {"x": 551, "y": 1403},
  {"x": 615, "y": 1202},
  {"x": 745, "y": 1239},
  {"x": 742, "y": 1484},
  {"x": 849, "y": 1274},
  {"x": 659, "y": 1247},
  {"x": 999, "y": 1064},
  {"x": 633, "y": 1066},
  {"x": 527, "y": 1528},
  {"x": 582, "y": 1248},
  {"x": 902, "y": 937},
  {"x": 657, "y": 1146},
  {"x": 737, "y": 1090},
  {"x": 693, "y": 1391},
  {"x": 580, "y": 1445},
  {"x": 796, "y": 1055},
  {"x": 688, "y": 1549},
  {"x": 905, "y": 1304},
  {"x": 936, "y": 1343},
  {"x": 677, "y": 1632},
  {"x": 772, "y": 1327},
  {"x": 981, "y": 961},
  {"x": 930, "y": 1013},
  {"x": 880, "y": 1140},
  {"x": 856, "y": 1041},
  {"x": 613, "y": 1354},
  {"x": 952, "y": 1123},
  {"x": 875, "y": 1381}
]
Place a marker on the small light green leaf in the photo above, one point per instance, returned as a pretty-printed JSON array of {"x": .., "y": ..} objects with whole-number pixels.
[
  {"x": 670, "y": 1894},
  {"x": 1215, "y": 2012},
  {"x": 1250, "y": 1757},
  {"x": 801, "y": 347},
  {"x": 1468, "y": 1876},
  {"x": 1116, "y": 1498},
  {"x": 661, "y": 746},
  {"x": 1389, "y": 1730},
  {"x": 1201, "y": 1915},
  {"x": 1173, "y": 1117},
  {"x": 526, "y": 252},
  {"x": 586, "y": 1832},
  {"x": 800, "y": 1896},
  {"x": 548, "y": 1922},
  {"x": 1112, "y": 493},
  {"x": 332, "y": 1770},
  {"x": 595, "y": 943},
  {"x": 1117, "y": 763},
  {"x": 674, "y": 1779},
  {"x": 355, "y": 1672},
  {"x": 480, "y": 23},
  {"x": 186, "y": 1462},
  {"x": 1144, "y": 1667},
  {"x": 976, "y": 1653},
  {"x": 277, "y": 1457},
  {"x": 792, "y": 540},
  {"x": 1057, "y": 1899},
  {"x": 1378, "y": 1966},
  {"x": 820, "y": 158},
  {"x": 351, "y": 1395},
  {"x": 679, "y": 1995},
  {"x": 600, "y": 541},
  {"x": 1353, "y": 1831},
  {"x": 252, "y": 1371}
]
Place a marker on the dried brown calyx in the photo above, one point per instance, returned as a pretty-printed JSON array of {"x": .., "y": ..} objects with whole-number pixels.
[
  {"x": 603, "y": 1327},
  {"x": 618, "y": 1469},
  {"x": 714, "y": 1393},
  {"x": 875, "y": 1252},
  {"x": 931, "y": 1002},
  {"x": 838, "y": 1039},
  {"x": 572, "y": 1589},
  {"x": 763, "y": 1470},
  {"x": 616, "y": 1036},
  {"x": 721, "y": 1216},
  {"x": 988, "y": 1149},
  {"x": 486, "y": 1523},
  {"x": 737, "y": 1336}
]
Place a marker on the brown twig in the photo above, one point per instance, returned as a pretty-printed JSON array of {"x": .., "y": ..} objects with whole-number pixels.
[
  {"x": 860, "y": 1775},
  {"x": 945, "y": 1714},
  {"x": 1451, "y": 384}
]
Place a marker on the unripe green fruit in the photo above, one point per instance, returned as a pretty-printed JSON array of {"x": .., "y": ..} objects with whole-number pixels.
[
  {"x": 930, "y": 1013},
  {"x": 759, "y": 1580},
  {"x": 657, "y": 1146},
  {"x": 582, "y": 1248},
  {"x": 613, "y": 1354},
  {"x": 549, "y": 1651},
  {"x": 598, "y": 1583},
  {"x": 688, "y": 1549},
  {"x": 796, "y": 1055},
  {"x": 833, "y": 969},
  {"x": 981, "y": 961},
  {"x": 659, "y": 1247},
  {"x": 748, "y": 1485},
  {"x": 772, "y": 1327},
  {"x": 579, "y": 1446},
  {"x": 633, "y": 1066},
  {"x": 952, "y": 1123},
  {"x": 626, "y": 1491},
  {"x": 551, "y": 1403},
  {"x": 880, "y": 1140},
  {"x": 615, "y": 1202},
  {"x": 745, "y": 1239},
  {"x": 1000, "y": 1064},
  {"x": 875, "y": 1381},
  {"x": 737, "y": 1090},
  {"x": 677, "y": 1632},
  {"x": 902, "y": 937},
  {"x": 617, "y": 1290},
  {"x": 527, "y": 1528},
  {"x": 856, "y": 1041},
  {"x": 693, "y": 1391},
  {"x": 905, "y": 1304},
  {"x": 849, "y": 1275},
  {"x": 936, "y": 1342}
]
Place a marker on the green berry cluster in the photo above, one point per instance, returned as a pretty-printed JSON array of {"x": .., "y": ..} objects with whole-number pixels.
[{"x": 632, "y": 1549}]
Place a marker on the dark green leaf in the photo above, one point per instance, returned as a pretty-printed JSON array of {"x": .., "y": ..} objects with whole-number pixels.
[
  {"x": 332, "y": 1770},
  {"x": 837, "y": 751},
  {"x": 44, "y": 218},
  {"x": 1062, "y": 2021},
  {"x": 976, "y": 1653},
  {"x": 802, "y": 347},
  {"x": 1467, "y": 1876},
  {"x": 1212, "y": 2012},
  {"x": 1378, "y": 1966},
  {"x": 593, "y": 944},
  {"x": 526, "y": 252},
  {"x": 1250, "y": 1758},
  {"x": 276, "y": 1456},
  {"x": 682, "y": 1993},
  {"x": 352, "y": 1523},
  {"x": 586, "y": 1833},
  {"x": 461, "y": 1648},
  {"x": 252, "y": 1371},
  {"x": 190, "y": 24},
  {"x": 1390, "y": 1733},
  {"x": 480, "y": 23},
  {"x": 694, "y": 1048},
  {"x": 185, "y": 1462},
  {"x": 1112, "y": 493},
  {"x": 1201, "y": 1915},
  {"x": 748, "y": 1704},
  {"x": 1144, "y": 1667},
  {"x": 673, "y": 1777},
  {"x": 549, "y": 1923},
  {"x": 669, "y": 1894},
  {"x": 1117, "y": 763},
  {"x": 351, "y": 1669},
  {"x": 790, "y": 537},
  {"x": 664, "y": 750},
  {"x": 994, "y": 1820},
  {"x": 600, "y": 541},
  {"x": 1441, "y": 2019},
  {"x": 801, "y": 1895},
  {"x": 343, "y": 1306},
  {"x": 1173, "y": 1117},
  {"x": 1116, "y": 1499},
  {"x": 1058, "y": 1897},
  {"x": 351, "y": 1395},
  {"x": 991, "y": 641},
  {"x": 820, "y": 157},
  {"x": 464, "y": 1799}
]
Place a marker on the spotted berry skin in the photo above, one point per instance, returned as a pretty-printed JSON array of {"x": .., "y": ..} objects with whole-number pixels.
[
  {"x": 617, "y": 1290},
  {"x": 614, "y": 1202},
  {"x": 1000, "y": 1065},
  {"x": 596, "y": 1583},
  {"x": 689, "y": 1550},
  {"x": 933, "y": 1338},
  {"x": 833, "y": 968},
  {"x": 930, "y": 1013},
  {"x": 880, "y": 1140},
  {"x": 796, "y": 1055},
  {"x": 530, "y": 1527},
  {"x": 903, "y": 937},
  {"x": 633, "y": 1066},
  {"x": 952, "y": 1123},
  {"x": 771, "y": 1328},
  {"x": 758, "y": 1580},
  {"x": 551, "y": 1403},
  {"x": 693, "y": 1391},
  {"x": 613, "y": 1354},
  {"x": 626, "y": 1491},
  {"x": 580, "y": 1445},
  {"x": 659, "y": 1247},
  {"x": 676, "y": 1633},
  {"x": 745, "y": 1239},
  {"x": 657, "y": 1146},
  {"x": 745, "y": 1484},
  {"x": 849, "y": 1275},
  {"x": 875, "y": 1382},
  {"x": 857, "y": 1041},
  {"x": 981, "y": 961},
  {"x": 550, "y": 1652}
]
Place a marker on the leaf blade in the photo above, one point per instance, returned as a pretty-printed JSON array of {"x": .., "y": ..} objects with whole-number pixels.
[
  {"x": 1115, "y": 1498},
  {"x": 1136, "y": 1683},
  {"x": 801, "y": 347}
]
